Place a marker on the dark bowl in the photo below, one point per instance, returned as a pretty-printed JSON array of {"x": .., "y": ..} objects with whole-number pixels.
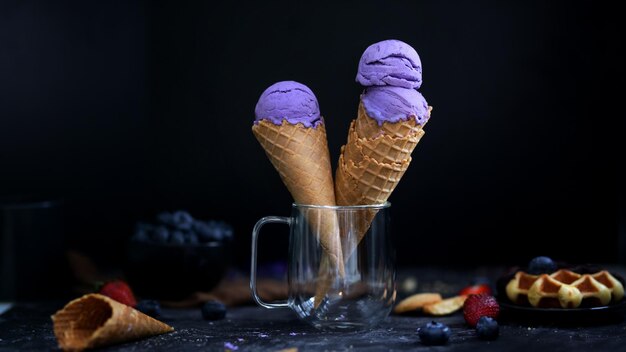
[{"x": 173, "y": 272}]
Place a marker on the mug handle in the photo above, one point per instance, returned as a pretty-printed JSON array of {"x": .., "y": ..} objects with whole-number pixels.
[{"x": 255, "y": 237}]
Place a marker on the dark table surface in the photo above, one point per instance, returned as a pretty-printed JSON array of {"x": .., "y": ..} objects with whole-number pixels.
[{"x": 27, "y": 326}]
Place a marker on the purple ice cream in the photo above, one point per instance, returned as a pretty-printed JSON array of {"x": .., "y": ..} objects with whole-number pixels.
[
  {"x": 390, "y": 63},
  {"x": 291, "y": 101},
  {"x": 393, "y": 104}
]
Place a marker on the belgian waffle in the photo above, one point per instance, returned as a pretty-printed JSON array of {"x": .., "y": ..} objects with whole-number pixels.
[{"x": 564, "y": 289}]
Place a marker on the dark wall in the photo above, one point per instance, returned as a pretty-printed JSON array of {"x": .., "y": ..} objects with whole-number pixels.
[{"x": 128, "y": 108}]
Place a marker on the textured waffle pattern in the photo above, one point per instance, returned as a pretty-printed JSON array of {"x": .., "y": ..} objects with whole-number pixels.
[
  {"x": 374, "y": 159},
  {"x": 95, "y": 320},
  {"x": 372, "y": 162},
  {"x": 367, "y": 127},
  {"x": 384, "y": 149},
  {"x": 564, "y": 289},
  {"x": 370, "y": 166},
  {"x": 300, "y": 155}
]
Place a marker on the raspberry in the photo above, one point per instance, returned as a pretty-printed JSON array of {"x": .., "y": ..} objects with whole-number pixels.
[
  {"x": 119, "y": 291},
  {"x": 477, "y": 306},
  {"x": 476, "y": 290}
]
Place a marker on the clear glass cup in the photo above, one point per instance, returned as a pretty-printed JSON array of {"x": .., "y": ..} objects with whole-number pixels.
[{"x": 358, "y": 295}]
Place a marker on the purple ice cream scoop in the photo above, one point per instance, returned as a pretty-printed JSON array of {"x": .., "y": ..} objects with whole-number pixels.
[
  {"x": 393, "y": 104},
  {"x": 390, "y": 63},
  {"x": 288, "y": 100}
]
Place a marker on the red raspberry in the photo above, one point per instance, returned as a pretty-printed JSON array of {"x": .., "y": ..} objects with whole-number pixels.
[
  {"x": 477, "y": 306},
  {"x": 119, "y": 291},
  {"x": 477, "y": 289}
]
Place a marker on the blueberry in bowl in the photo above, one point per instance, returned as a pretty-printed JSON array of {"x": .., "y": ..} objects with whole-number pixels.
[{"x": 178, "y": 255}]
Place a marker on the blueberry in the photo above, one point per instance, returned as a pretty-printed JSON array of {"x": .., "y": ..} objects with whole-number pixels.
[
  {"x": 434, "y": 333},
  {"x": 182, "y": 220},
  {"x": 149, "y": 307},
  {"x": 487, "y": 328},
  {"x": 541, "y": 265},
  {"x": 212, "y": 230},
  {"x": 213, "y": 310},
  {"x": 177, "y": 237},
  {"x": 159, "y": 234}
]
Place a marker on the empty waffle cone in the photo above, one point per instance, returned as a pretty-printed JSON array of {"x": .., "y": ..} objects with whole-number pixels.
[
  {"x": 94, "y": 320},
  {"x": 301, "y": 157}
]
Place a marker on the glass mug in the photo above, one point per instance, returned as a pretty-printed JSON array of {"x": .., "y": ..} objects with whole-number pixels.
[{"x": 362, "y": 292}]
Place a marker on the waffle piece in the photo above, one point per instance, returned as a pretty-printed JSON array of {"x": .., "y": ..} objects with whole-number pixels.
[
  {"x": 593, "y": 292},
  {"x": 417, "y": 301},
  {"x": 547, "y": 292},
  {"x": 608, "y": 280},
  {"x": 446, "y": 306},
  {"x": 565, "y": 276},
  {"x": 517, "y": 288},
  {"x": 565, "y": 288}
]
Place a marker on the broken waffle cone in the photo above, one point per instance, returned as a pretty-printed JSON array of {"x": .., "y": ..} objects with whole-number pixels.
[
  {"x": 301, "y": 157},
  {"x": 94, "y": 320}
]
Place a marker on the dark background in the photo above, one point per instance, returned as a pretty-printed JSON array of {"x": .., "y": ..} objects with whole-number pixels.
[{"x": 124, "y": 109}]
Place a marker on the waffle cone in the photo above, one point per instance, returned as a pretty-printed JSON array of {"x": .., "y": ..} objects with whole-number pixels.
[
  {"x": 94, "y": 320},
  {"x": 370, "y": 167},
  {"x": 367, "y": 127},
  {"x": 301, "y": 157},
  {"x": 383, "y": 149}
]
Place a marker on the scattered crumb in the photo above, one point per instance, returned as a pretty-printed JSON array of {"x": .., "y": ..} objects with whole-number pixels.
[{"x": 229, "y": 346}]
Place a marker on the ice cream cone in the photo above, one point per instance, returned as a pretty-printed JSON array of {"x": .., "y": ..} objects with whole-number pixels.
[
  {"x": 94, "y": 320},
  {"x": 367, "y": 127},
  {"x": 383, "y": 149},
  {"x": 390, "y": 118},
  {"x": 370, "y": 167},
  {"x": 373, "y": 161},
  {"x": 300, "y": 155}
]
